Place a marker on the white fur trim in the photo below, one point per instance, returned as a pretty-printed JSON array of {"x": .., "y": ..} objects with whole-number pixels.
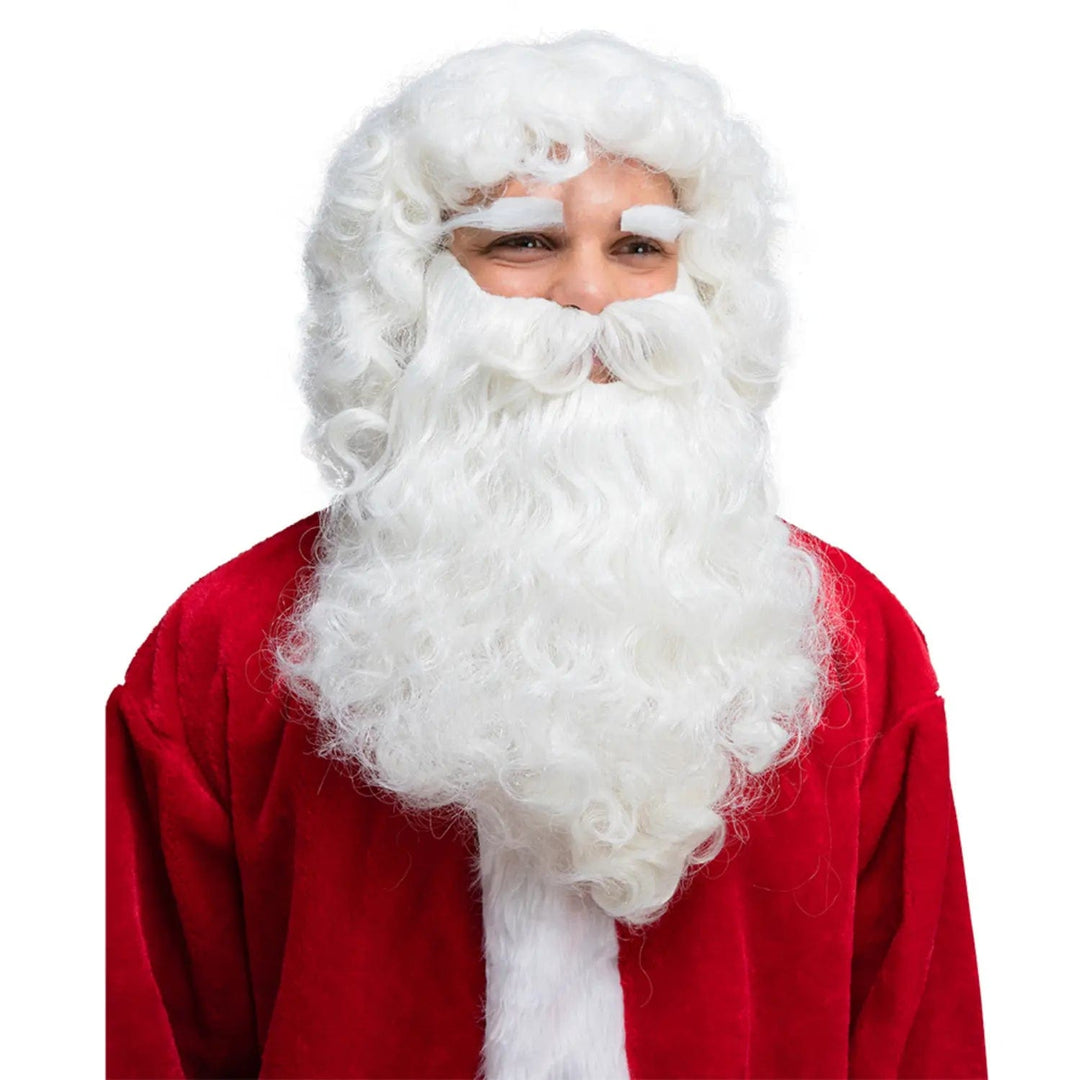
[{"x": 554, "y": 999}]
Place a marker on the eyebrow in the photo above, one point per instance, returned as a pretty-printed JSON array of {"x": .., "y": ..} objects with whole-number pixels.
[
  {"x": 509, "y": 214},
  {"x": 655, "y": 221}
]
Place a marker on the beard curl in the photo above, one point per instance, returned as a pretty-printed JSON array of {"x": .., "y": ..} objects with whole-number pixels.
[{"x": 570, "y": 612}]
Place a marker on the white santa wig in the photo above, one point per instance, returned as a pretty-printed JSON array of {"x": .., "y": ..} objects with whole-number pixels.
[
  {"x": 534, "y": 111},
  {"x": 579, "y": 619}
]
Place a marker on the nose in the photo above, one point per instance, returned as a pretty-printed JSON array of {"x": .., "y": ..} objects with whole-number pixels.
[{"x": 584, "y": 280}]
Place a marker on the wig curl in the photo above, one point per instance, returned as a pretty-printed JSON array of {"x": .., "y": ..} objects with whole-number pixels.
[{"x": 540, "y": 111}]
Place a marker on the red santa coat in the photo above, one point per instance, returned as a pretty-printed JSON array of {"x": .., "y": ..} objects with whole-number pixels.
[{"x": 267, "y": 917}]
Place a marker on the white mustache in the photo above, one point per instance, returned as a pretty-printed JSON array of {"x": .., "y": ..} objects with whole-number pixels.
[{"x": 651, "y": 343}]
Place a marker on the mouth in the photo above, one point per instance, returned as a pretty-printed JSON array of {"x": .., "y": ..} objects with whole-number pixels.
[{"x": 599, "y": 373}]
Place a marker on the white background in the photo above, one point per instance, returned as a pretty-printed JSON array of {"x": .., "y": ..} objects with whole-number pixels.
[{"x": 162, "y": 164}]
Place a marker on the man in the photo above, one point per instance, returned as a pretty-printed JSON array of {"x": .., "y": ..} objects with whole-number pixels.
[{"x": 617, "y": 774}]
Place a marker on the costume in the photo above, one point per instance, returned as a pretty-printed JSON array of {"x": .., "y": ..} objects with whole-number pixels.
[
  {"x": 268, "y": 917},
  {"x": 549, "y": 649}
]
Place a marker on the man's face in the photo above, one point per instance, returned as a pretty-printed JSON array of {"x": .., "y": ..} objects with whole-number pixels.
[{"x": 587, "y": 261}]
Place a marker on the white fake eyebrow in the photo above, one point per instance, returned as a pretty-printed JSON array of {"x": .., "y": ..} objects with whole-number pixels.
[
  {"x": 655, "y": 221},
  {"x": 510, "y": 214}
]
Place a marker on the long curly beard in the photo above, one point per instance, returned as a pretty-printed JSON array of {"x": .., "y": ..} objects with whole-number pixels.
[{"x": 566, "y": 608}]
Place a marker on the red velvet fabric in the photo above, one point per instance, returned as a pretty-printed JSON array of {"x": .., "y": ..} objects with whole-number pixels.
[{"x": 266, "y": 917}]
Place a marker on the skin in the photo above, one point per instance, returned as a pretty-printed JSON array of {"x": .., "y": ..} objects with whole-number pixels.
[{"x": 587, "y": 263}]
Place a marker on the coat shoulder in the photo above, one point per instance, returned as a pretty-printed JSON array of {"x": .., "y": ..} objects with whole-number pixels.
[
  {"x": 878, "y": 643},
  {"x": 246, "y": 594},
  {"x": 226, "y": 618},
  {"x": 208, "y": 665}
]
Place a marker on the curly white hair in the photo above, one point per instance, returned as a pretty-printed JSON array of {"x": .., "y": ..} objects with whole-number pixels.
[{"x": 527, "y": 110}]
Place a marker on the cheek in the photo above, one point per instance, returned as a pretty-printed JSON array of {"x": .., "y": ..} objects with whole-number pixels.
[
  {"x": 502, "y": 280},
  {"x": 662, "y": 279}
]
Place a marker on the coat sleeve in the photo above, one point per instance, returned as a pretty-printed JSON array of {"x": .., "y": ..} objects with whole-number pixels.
[
  {"x": 178, "y": 991},
  {"x": 915, "y": 992}
]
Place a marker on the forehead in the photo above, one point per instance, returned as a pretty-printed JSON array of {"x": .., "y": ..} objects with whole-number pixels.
[{"x": 608, "y": 182}]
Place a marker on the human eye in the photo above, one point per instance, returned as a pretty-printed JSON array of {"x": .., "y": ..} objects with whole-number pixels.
[
  {"x": 524, "y": 243},
  {"x": 640, "y": 246}
]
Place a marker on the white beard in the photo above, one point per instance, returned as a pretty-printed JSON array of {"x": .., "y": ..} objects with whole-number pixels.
[{"x": 566, "y": 607}]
